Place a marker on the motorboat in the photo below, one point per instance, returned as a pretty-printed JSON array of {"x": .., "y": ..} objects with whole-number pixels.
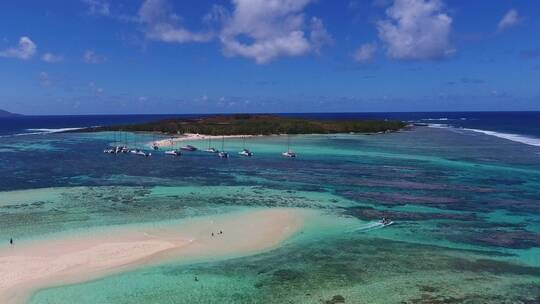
[
  {"x": 289, "y": 154},
  {"x": 223, "y": 154},
  {"x": 174, "y": 152},
  {"x": 143, "y": 153},
  {"x": 189, "y": 148},
  {"x": 386, "y": 222}
]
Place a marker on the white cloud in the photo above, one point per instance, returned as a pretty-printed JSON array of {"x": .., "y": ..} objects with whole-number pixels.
[
  {"x": 98, "y": 7},
  {"x": 266, "y": 29},
  {"x": 510, "y": 19},
  {"x": 160, "y": 24},
  {"x": 24, "y": 50},
  {"x": 319, "y": 36},
  {"x": 91, "y": 57},
  {"x": 96, "y": 90},
  {"x": 44, "y": 79},
  {"x": 51, "y": 58},
  {"x": 416, "y": 29},
  {"x": 365, "y": 52}
]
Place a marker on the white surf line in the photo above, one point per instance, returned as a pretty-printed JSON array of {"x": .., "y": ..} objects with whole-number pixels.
[{"x": 531, "y": 141}]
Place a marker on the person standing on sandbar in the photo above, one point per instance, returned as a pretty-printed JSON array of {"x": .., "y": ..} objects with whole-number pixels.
[{"x": 11, "y": 241}]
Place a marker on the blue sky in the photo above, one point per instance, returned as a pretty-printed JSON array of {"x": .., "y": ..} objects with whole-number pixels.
[{"x": 220, "y": 56}]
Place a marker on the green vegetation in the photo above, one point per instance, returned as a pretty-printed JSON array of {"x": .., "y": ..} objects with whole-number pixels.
[{"x": 246, "y": 124}]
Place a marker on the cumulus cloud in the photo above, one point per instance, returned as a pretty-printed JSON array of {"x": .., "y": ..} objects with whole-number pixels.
[
  {"x": 98, "y": 7},
  {"x": 51, "y": 58},
  {"x": 510, "y": 19},
  {"x": 24, "y": 50},
  {"x": 44, "y": 79},
  {"x": 91, "y": 57},
  {"x": 318, "y": 35},
  {"x": 266, "y": 29},
  {"x": 416, "y": 29},
  {"x": 365, "y": 52},
  {"x": 160, "y": 24}
]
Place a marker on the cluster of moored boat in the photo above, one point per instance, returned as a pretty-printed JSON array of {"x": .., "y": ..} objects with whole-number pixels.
[
  {"x": 189, "y": 148},
  {"x": 125, "y": 150}
]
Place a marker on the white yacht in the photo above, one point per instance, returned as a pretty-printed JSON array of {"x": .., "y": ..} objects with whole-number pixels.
[
  {"x": 245, "y": 152},
  {"x": 174, "y": 152}
]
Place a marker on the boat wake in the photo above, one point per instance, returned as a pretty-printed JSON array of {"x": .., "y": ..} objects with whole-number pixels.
[{"x": 368, "y": 227}]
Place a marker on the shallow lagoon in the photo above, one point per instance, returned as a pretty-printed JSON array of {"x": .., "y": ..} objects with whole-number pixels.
[{"x": 466, "y": 209}]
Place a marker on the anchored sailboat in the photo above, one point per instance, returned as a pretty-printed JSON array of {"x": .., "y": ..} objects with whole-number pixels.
[
  {"x": 140, "y": 152},
  {"x": 115, "y": 149},
  {"x": 155, "y": 146},
  {"x": 211, "y": 149},
  {"x": 222, "y": 153},
  {"x": 289, "y": 153},
  {"x": 245, "y": 152}
]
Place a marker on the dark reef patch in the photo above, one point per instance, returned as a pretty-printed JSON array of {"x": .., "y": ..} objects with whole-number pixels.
[{"x": 516, "y": 239}]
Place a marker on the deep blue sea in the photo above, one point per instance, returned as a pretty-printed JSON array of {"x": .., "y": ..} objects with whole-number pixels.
[{"x": 521, "y": 127}]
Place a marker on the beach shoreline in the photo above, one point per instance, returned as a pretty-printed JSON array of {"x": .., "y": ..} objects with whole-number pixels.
[
  {"x": 193, "y": 137},
  {"x": 34, "y": 265}
]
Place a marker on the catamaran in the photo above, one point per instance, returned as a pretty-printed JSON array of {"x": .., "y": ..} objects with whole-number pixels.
[
  {"x": 211, "y": 149},
  {"x": 245, "y": 152},
  {"x": 125, "y": 146},
  {"x": 115, "y": 149},
  {"x": 289, "y": 153},
  {"x": 222, "y": 153}
]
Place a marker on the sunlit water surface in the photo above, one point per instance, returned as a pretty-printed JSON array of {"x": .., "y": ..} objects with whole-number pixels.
[{"x": 466, "y": 209}]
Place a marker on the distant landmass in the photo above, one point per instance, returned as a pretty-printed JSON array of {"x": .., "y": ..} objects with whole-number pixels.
[
  {"x": 7, "y": 114},
  {"x": 260, "y": 124}
]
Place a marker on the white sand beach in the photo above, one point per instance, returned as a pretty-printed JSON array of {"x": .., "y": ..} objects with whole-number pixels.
[
  {"x": 32, "y": 265},
  {"x": 193, "y": 136}
]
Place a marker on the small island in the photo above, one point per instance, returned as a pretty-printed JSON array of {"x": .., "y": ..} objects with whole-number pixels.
[
  {"x": 256, "y": 124},
  {"x": 4, "y": 113}
]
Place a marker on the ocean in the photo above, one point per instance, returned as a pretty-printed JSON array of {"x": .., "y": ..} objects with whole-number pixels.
[
  {"x": 463, "y": 192},
  {"x": 517, "y": 126}
]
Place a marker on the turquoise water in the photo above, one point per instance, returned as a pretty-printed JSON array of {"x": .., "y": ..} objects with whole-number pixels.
[{"x": 466, "y": 211}]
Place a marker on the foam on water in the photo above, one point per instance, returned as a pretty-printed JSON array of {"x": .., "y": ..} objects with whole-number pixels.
[
  {"x": 369, "y": 226},
  {"x": 532, "y": 141}
]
